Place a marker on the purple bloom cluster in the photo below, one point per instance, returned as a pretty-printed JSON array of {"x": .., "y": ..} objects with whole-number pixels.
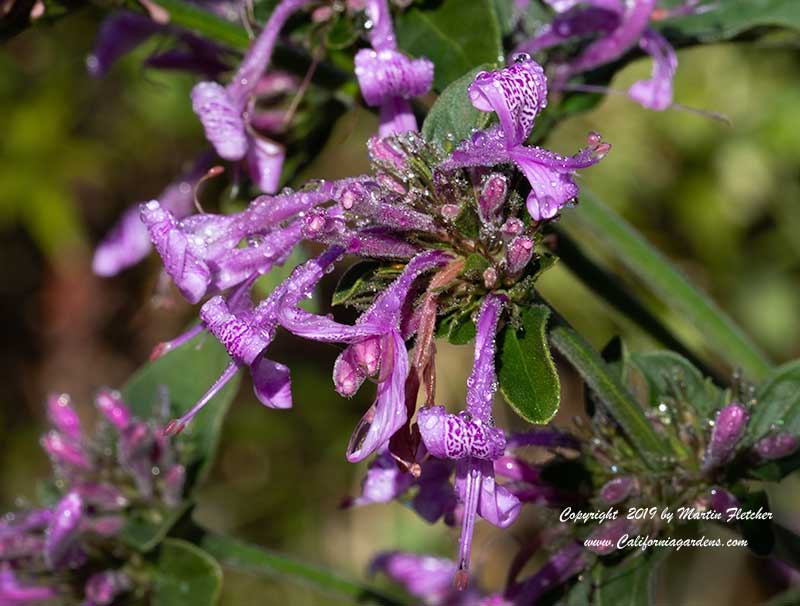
[{"x": 127, "y": 464}]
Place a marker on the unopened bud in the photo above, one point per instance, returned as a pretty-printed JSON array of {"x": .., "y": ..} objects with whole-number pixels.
[
  {"x": 776, "y": 446},
  {"x": 512, "y": 228},
  {"x": 729, "y": 426},
  {"x": 492, "y": 198},
  {"x": 722, "y": 500},
  {"x": 63, "y": 416},
  {"x": 519, "y": 254},
  {"x": 617, "y": 490},
  {"x": 450, "y": 211},
  {"x": 112, "y": 407},
  {"x": 490, "y": 278}
]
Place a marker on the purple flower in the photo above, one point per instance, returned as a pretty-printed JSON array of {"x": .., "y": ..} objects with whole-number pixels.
[
  {"x": 423, "y": 576},
  {"x": 110, "y": 404},
  {"x": 618, "y": 27},
  {"x": 375, "y": 342},
  {"x": 517, "y": 94},
  {"x": 128, "y": 242},
  {"x": 472, "y": 440},
  {"x": 383, "y": 483},
  {"x": 729, "y": 427},
  {"x": 246, "y": 332},
  {"x": 225, "y": 111},
  {"x": 722, "y": 501},
  {"x": 387, "y": 78},
  {"x": 103, "y": 587}
]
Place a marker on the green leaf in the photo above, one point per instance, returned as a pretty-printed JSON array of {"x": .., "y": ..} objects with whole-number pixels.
[
  {"x": 186, "y": 374},
  {"x": 778, "y": 403},
  {"x": 204, "y": 23},
  {"x": 186, "y": 576},
  {"x": 452, "y": 118},
  {"x": 252, "y": 559},
  {"x": 504, "y": 11},
  {"x": 454, "y": 34},
  {"x": 790, "y": 597},
  {"x": 648, "y": 264},
  {"x": 633, "y": 582},
  {"x": 729, "y": 18},
  {"x": 462, "y": 329},
  {"x": 617, "y": 399},
  {"x": 528, "y": 377},
  {"x": 667, "y": 372}
]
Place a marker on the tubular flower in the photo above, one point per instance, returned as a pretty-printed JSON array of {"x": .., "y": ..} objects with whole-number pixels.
[
  {"x": 517, "y": 94},
  {"x": 387, "y": 78},
  {"x": 471, "y": 439},
  {"x": 128, "y": 242},
  {"x": 619, "y": 26},
  {"x": 226, "y": 111}
]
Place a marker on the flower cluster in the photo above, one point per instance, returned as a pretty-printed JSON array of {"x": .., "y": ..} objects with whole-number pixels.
[{"x": 73, "y": 552}]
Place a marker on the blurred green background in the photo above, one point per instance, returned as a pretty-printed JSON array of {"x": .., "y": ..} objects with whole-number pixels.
[{"x": 722, "y": 201}]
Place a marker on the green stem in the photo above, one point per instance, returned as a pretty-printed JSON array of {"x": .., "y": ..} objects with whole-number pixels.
[
  {"x": 649, "y": 265},
  {"x": 616, "y": 397},
  {"x": 238, "y": 555},
  {"x": 614, "y": 291}
]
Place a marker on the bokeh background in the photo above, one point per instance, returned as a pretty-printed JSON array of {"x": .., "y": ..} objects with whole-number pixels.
[{"x": 722, "y": 201}]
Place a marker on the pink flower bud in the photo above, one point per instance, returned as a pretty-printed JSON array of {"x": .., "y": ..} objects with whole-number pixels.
[
  {"x": 63, "y": 416},
  {"x": 492, "y": 198},
  {"x": 775, "y": 446},
  {"x": 519, "y": 254},
  {"x": 728, "y": 429},
  {"x": 112, "y": 407}
]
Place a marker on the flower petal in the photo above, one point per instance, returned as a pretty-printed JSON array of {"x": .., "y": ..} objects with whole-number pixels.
[
  {"x": 265, "y": 162},
  {"x": 221, "y": 118},
  {"x": 272, "y": 383},
  {"x": 387, "y": 74},
  {"x": 656, "y": 93}
]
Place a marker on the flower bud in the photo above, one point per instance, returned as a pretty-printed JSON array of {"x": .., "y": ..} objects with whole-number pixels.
[
  {"x": 492, "y": 198},
  {"x": 112, "y": 407},
  {"x": 63, "y": 416},
  {"x": 722, "y": 500},
  {"x": 450, "y": 211},
  {"x": 519, "y": 254},
  {"x": 63, "y": 529},
  {"x": 103, "y": 587},
  {"x": 347, "y": 375},
  {"x": 172, "y": 488},
  {"x": 65, "y": 452},
  {"x": 617, "y": 490},
  {"x": 512, "y": 228},
  {"x": 381, "y": 151},
  {"x": 604, "y": 539},
  {"x": 367, "y": 354},
  {"x": 728, "y": 429},
  {"x": 775, "y": 446},
  {"x": 490, "y": 278}
]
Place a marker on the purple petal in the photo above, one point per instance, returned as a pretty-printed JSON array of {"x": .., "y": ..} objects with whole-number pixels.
[
  {"x": 221, "y": 118},
  {"x": 435, "y": 497},
  {"x": 126, "y": 244},
  {"x": 191, "y": 275},
  {"x": 582, "y": 22},
  {"x": 173, "y": 483},
  {"x": 119, "y": 34},
  {"x": 516, "y": 94},
  {"x": 552, "y": 176},
  {"x": 265, "y": 162},
  {"x": 617, "y": 490},
  {"x": 496, "y": 504},
  {"x": 243, "y": 341},
  {"x": 656, "y": 93},
  {"x": 450, "y": 436},
  {"x": 63, "y": 529},
  {"x": 388, "y": 413},
  {"x": 388, "y": 74},
  {"x": 423, "y": 576},
  {"x": 64, "y": 451},
  {"x": 722, "y": 501},
  {"x": 381, "y": 32},
  {"x": 272, "y": 383},
  {"x": 103, "y": 587},
  {"x": 482, "y": 383},
  {"x": 18, "y": 594},
  {"x": 775, "y": 446},
  {"x": 347, "y": 375},
  {"x": 484, "y": 148},
  {"x": 384, "y": 482}
]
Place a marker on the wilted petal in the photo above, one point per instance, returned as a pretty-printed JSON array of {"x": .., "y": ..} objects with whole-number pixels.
[
  {"x": 656, "y": 93},
  {"x": 383, "y": 482},
  {"x": 516, "y": 93},
  {"x": 222, "y": 120}
]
